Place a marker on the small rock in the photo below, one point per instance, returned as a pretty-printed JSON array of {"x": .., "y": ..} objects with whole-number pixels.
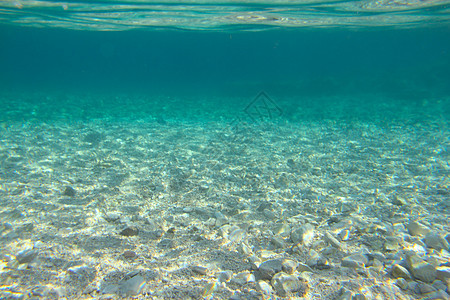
[
  {"x": 112, "y": 216},
  {"x": 344, "y": 294},
  {"x": 166, "y": 244},
  {"x": 69, "y": 191},
  {"x": 224, "y": 276},
  {"x": 84, "y": 275},
  {"x": 26, "y": 256},
  {"x": 439, "y": 285},
  {"x": 277, "y": 241},
  {"x": 236, "y": 234},
  {"x": 270, "y": 268},
  {"x": 200, "y": 270},
  {"x": 436, "y": 241},
  {"x": 129, "y": 254},
  {"x": 425, "y": 288},
  {"x": 420, "y": 269},
  {"x": 285, "y": 284},
  {"x": 332, "y": 240},
  {"x": 443, "y": 273},
  {"x": 355, "y": 261},
  {"x": 243, "y": 278},
  {"x": 304, "y": 268},
  {"x": 402, "y": 283},
  {"x": 344, "y": 235},
  {"x": 392, "y": 243},
  {"x": 438, "y": 295},
  {"x": 132, "y": 286},
  {"x": 289, "y": 266},
  {"x": 244, "y": 249},
  {"x": 209, "y": 289},
  {"x": 400, "y": 272},
  {"x": 317, "y": 261},
  {"x": 129, "y": 231},
  {"x": 304, "y": 234},
  {"x": 416, "y": 228},
  {"x": 264, "y": 287}
]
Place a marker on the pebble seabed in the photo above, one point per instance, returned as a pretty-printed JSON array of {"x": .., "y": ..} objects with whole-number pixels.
[{"x": 159, "y": 209}]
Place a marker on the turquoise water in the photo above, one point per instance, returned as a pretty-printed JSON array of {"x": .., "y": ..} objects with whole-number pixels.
[{"x": 210, "y": 126}]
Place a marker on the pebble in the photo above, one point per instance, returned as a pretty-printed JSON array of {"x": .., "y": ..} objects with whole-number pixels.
[
  {"x": 443, "y": 273},
  {"x": 400, "y": 272},
  {"x": 437, "y": 295},
  {"x": 26, "y": 256},
  {"x": 289, "y": 266},
  {"x": 304, "y": 234},
  {"x": 332, "y": 240},
  {"x": 285, "y": 284},
  {"x": 199, "y": 270},
  {"x": 166, "y": 244},
  {"x": 129, "y": 231},
  {"x": 426, "y": 288},
  {"x": 82, "y": 274},
  {"x": 277, "y": 241},
  {"x": 270, "y": 267},
  {"x": 224, "y": 276},
  {"x": 420, "y": 269},
  {"x": 317, "y": 261},
  {"x": 243, "y": 278},
  {"x": 264, "y": 287},
  {"x": 132, "y": 286},
  {"x": 402, "y": 283},
  {"x": 69, "y": 191},
  {"x": 301, "y": 267},
  {"x": 129, "y": 254},
  {"x": 416, "y": 228},
  {"x": 355, "y": 261},
  {"x": 434, "y": 240}
]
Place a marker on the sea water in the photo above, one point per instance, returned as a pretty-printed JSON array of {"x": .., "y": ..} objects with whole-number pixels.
[{"x": 159, "y": 137}]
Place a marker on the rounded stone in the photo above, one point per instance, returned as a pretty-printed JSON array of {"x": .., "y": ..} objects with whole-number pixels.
[
  {"x": 436, "y": 241},
  {"x": 270, "y": 268},
  {"x": 400, "y": 272},
  {"x": 304, "y": 234},
  {"x": 285, "y": 284}
]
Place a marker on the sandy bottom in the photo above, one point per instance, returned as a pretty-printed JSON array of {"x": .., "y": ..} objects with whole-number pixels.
[{"x": 161, "y": 209}]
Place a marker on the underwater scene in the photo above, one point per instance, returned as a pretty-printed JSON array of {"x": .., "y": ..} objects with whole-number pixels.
[{"x": 206, "y": 149}]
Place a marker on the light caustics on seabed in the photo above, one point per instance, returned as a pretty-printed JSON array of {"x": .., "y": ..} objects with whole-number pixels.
[{"x": 225, "y": 14}]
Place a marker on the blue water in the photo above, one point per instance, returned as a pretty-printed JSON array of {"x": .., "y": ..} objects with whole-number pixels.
[{"x": 408, "y": 65}]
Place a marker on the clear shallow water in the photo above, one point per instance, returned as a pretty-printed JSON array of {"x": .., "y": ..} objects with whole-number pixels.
[{"x": 224, "y": 15}]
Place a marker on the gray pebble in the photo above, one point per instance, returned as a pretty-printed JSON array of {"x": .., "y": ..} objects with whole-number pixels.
[
  {"x": 332, "y": 240},
  {"x": 443, "y": 273},
  {"x": 277, "y": 241},
  {"x": 243, "y": 278},
  {"x": 402, "y": 283},
  {"x": 420, "y": 269},
  {"x": 426, "y": 288},
  {"x": 434, "y": 240},
  {"x": 26, "y": 256},
  {"x": 355, "y": 261},
  {"x": 285, "y": 284},
  {"x": 264, "y": 287},
  {"x": 224, "y": 276},
  {"x": 289, "y": 266},
  {"x": 166, "y": 244},
  {"x": 400, "y": 272},
  {"x": 270, "y": 267},
  {"x": 200, "y": 270},
  {"x": 416, "y": 228},
  {"x": 301, "y": 267},
  {"x": 132, "y": 286},
  {"x": 304, "y": 234},
  {"x": 82, "y": 274},
  {"x": 129, "y": 231}
]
